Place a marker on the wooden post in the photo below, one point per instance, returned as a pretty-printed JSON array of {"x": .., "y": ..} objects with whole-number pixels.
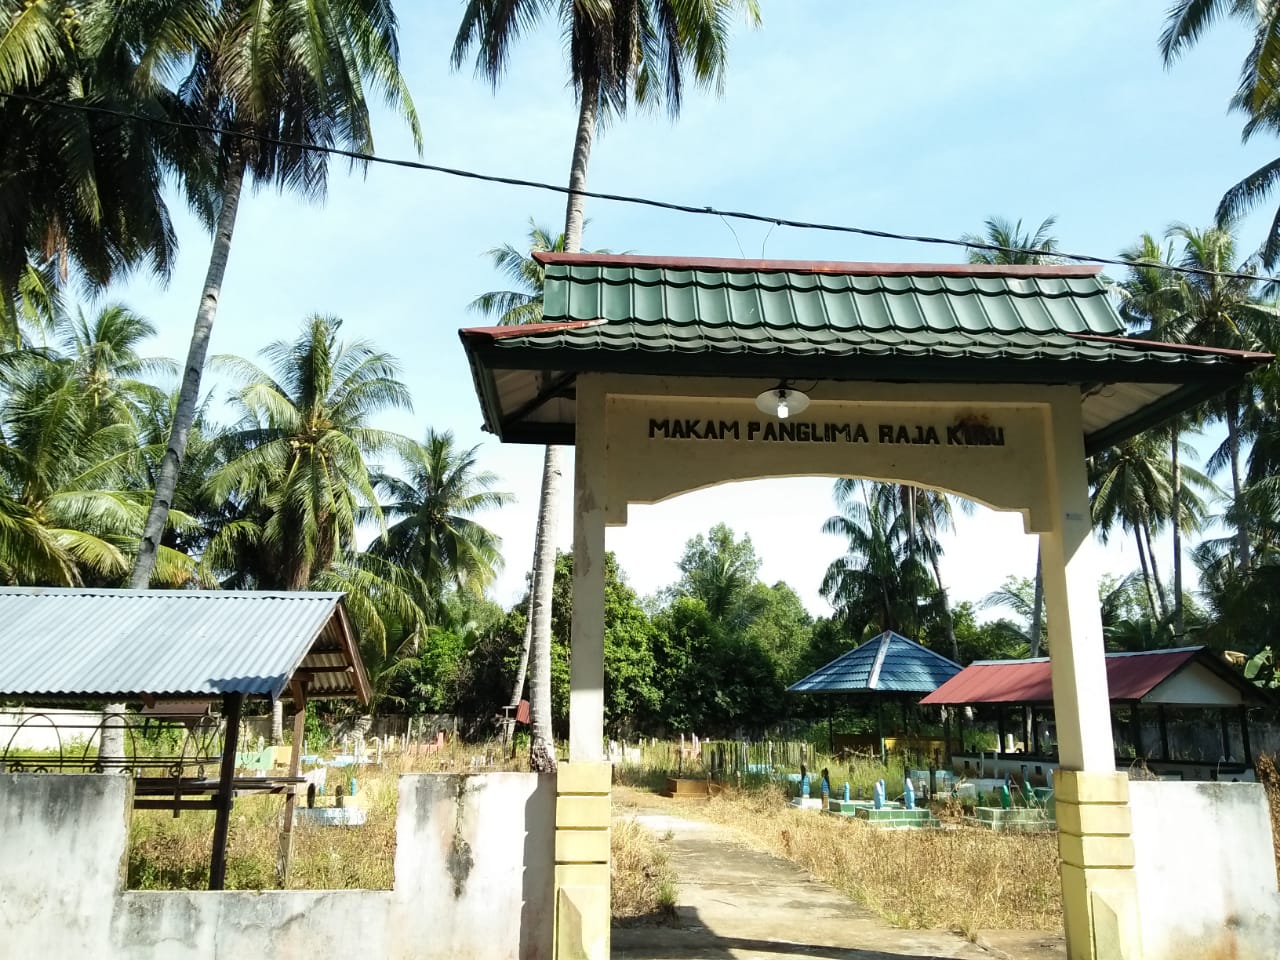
[
  {"x": 946, "y": 736},
  {"x": 880, "y": 724},
  {"x": 299, "y": 688},
  {"x": 1224, "y": 723},
  {"x": 1135, "y": 729},
  {"x": 232, "y": 703},
  {"x": 831, "y": 736},
  {"x": 1163, "y": 718},
  {"x": 1000, "y": 729}
]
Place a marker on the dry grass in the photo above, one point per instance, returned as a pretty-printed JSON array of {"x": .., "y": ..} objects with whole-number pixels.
[
  {"x": 173, "y": 854},
  {"x": 643, "y": 882},
  {"x": 962, "y": 878}
]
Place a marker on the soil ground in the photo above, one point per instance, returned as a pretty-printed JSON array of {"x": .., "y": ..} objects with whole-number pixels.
[{"x": 742, "y": 903}]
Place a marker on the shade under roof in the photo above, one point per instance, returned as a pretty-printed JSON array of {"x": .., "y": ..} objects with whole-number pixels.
[
  {"x": 925, "y": 323},
  {"x": 888, "y": 663},
  {"x": 99, "y": 644}
]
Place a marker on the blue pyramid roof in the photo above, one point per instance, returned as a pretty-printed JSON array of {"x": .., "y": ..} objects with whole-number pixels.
[{"x": 889, "y": 663}]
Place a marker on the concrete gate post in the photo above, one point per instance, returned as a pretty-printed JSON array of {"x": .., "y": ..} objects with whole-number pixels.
[
  {"x": 583, "y": 784},
  {"x": 1099, "y": 892}
]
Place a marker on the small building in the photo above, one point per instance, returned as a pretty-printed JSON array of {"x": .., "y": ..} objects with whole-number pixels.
[
  {"x": 888, "y": 666},
  {"x": 1180, "y": 713}
]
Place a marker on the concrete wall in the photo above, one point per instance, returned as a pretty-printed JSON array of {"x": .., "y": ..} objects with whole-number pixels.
[
  {"x": 1206, "y": 871},
  {"x": 474, "y": 877}
]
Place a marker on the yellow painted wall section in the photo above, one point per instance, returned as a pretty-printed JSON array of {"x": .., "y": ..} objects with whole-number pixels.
[{"x": 582, "y": 861}]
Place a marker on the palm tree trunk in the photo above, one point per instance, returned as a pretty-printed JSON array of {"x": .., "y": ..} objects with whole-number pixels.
[
  {"x": 946, "y": 612},
  {"x": 1175, "y": 512},
  {"x": 542, "y": 754},
  {"x": 576, "y": 203},
  {"x": 185, "y": 414},
  {"x": 277, "y": 721},
  {"x": 1233, "y": 448},
  {"x": 522, "y": 666},
  {"x": 1146, "y": 572},
  {"x": 1155, "y": 572},
  {"x": 1037, "y": 606}
]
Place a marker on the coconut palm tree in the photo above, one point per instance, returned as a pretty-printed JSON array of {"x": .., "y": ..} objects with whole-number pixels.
[
  {"x": 1131, "y": 488},
  {"x": 433, "y": 532},
  {"x": 879, "y": 583},
  {"x": 69, "y": 455},
  {"x": 620, "y": 52},
  {"x": 1224, "y": 311},
  {"x": 1151, "y": 304},
  {"x": 1257, "y": 97},
  {"x": 297, "y": 462},
  {"x": 303, "y": 444},
  {"x": 273, "y": 76},
  {"x": 83, "y": 189},
  {"x": 523, "y": 303},
  {"x": 1002, "y": 242},
  {"x": 928, "y": 514}
]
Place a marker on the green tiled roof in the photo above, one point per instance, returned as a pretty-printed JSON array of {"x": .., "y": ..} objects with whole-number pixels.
[
  {"x": 791, "y": 307},
  {"x": 845, "y": 322}
]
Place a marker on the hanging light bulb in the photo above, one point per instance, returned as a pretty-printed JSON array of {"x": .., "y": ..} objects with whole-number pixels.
[{"x": 782, "y": 401}]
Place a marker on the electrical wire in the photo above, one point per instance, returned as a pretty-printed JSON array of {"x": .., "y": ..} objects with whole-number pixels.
[{"x": 1056, "y": 255}]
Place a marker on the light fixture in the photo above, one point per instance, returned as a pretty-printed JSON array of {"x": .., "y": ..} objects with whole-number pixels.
[{"x": 782, "y": 401}]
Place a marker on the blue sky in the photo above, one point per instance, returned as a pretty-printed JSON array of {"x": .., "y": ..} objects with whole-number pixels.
[{"x": 909, "y": 116}]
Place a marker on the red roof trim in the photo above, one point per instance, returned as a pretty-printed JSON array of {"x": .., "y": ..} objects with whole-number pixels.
[
  {"x": 1251, "y": 355},
  {"x": 524, "y": 330},
  {"x": 818, "y": 266}
]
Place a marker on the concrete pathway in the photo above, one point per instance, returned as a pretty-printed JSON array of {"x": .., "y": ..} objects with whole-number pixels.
[{"x": 741, "y": 903}]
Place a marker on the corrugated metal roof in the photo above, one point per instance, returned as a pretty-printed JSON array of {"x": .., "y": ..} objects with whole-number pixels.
[
  {"x": 902, "y": 322},
  {"x": 98, "y": 643},
  {"x": 888, "y": 663},
  {"x": 1130, "y": 676}
]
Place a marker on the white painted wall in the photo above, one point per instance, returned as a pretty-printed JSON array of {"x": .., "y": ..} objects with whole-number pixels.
[
  {"x": 473, "y": 879},
  {"x": 1206, "y": 871}
]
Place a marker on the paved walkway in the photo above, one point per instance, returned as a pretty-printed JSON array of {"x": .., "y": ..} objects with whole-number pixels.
[{"x": 740, "y": 903}]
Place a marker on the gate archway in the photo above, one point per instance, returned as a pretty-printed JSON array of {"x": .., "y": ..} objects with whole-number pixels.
[{"x": 992, "y": 382}]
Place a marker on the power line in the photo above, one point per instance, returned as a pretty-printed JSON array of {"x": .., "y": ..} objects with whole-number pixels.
[{"x": 640, "y": 201}]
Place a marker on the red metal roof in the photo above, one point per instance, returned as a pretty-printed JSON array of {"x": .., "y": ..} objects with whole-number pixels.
[
  {"x": 851, "y": 269},
  {"x": 1130, "y": 676}
]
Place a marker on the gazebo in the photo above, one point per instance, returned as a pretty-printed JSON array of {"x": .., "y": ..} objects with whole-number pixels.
[
  {"x": 1148, "y": 689},
  {"x": 993, "y": 382},
  {"x": 886, "y": 666},
  {"x": 188, "y": 649}
]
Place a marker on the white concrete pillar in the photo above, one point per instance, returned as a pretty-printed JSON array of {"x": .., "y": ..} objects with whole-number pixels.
[
  {"x": 586, "y": 674},
  {"x": 1081, "y": 700}
]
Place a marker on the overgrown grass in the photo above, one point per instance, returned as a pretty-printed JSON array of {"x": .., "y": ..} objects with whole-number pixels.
[
  {"x": 963, "y": 878},
  {"x": 173, "y": 854},
  {"x": 643, "y": 881}
]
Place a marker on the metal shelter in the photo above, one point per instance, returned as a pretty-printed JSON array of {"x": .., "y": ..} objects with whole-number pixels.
[
  {"x": 887, "y": 666},
  {"x": 187, "y": 649}
]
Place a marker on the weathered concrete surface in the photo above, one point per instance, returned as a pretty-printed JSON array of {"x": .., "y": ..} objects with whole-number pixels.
[
  {"x": 1206, "y": 873},
  {"x": 460, "y": 891},
  {"x": 737, "y": 902}
]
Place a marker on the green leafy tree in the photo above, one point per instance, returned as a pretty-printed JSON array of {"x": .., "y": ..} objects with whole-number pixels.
[
  {"x": 720, "y": 570},
  {"x": 619, "y": 52},
  {"x": 272, "y": 76},
  {"x": 630, "y": 689}
]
